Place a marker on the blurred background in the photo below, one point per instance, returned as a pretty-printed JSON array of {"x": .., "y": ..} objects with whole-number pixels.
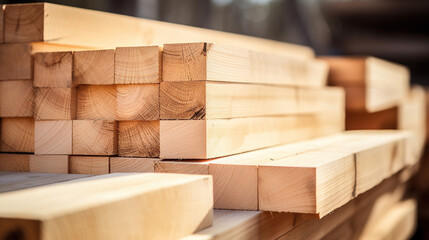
[{"x": 395, "y": 30}]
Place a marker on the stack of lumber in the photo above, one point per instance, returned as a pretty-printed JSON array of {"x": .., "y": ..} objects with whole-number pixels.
[{"x": 84, "y": 92}]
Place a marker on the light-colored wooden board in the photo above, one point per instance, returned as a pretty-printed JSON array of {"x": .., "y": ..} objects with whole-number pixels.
[
  {"x": 53, "y": 69},
  {"x": 14, "y": 162},
  {"x": 16, "y": 98},
  {"x": 373, "y": 84},
  {"x": 95, "y": 137},
  {"x": 136, "y": 65},
  {"x": 320, "y": 100},
  {"x": 97, "y": 102},
  {"x": 74, "y": 26},
  {"x": 226, "y": 63},
  {"x": 17, "y": 135},
  {"x": 130, "y": 165},
  {"x": 187, "y": 167},
  {"x": 137, "y": 102},
  {"x": 204, "y": 139},
  {"x": 55, "y": 103},
  {"x": 94, "y": 67},
  {"x": 53, "y": 137},
  {"x": 75, "y": 207},
  {"x": 92, "y": 165},
  {"x": 49, "y": 163},
  {"x": 15, "y": 61},
  {"x": 139, "y": 138}
]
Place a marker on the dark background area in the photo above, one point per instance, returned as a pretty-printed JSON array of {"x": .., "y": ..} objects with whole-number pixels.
[{"x": 395, "y": 30}]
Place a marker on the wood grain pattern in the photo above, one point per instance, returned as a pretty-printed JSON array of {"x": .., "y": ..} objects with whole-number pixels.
[
  {"x": 91, "y": 165},
  {"x": 96, "y": 102},
  {"x": 139, "y": 138},
  {"x": 15, "y": 162},
  {"x": 218, "y": 62},
  {"x": 83, "y": 204},
  {"x": 136, "y": 65},
  {"x": 132, "y": 165},
  {"x": 137, "y": 102},
  {"x": 49, "y": 163},
  {"x": 16, "y": 98},
  {"x": 53, "y": 69},
  {"x": 24, "y": 22},
  {"x": 17, "y": 135},
  {"x": 55, "y": 103},
  {"x": 15, "y": 61},
  {"x": 94, "y": 67},
  {"x": 1, "y": 23},
  {"x": 95, "y": 137},
  {"x": 53, "y": 137}
]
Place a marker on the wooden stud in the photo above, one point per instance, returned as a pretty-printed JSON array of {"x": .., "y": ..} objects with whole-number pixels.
[
  {"x": 53, "y": 69},
  {"x": 16, "y": 98},
  {"x": 55, "y": 103},
  {"x": 15, "y": 61},
  {"x": 24, "y": 22},
  {"x": 89, "y": 165},
  {"x": 14, "y": 162},
  {"x": 94, "y": 67},
  {"x": 53, "y": 137},
  {"x": 17, "y": 135},
  {"x": 130, "y": 165},
  {"x": 96, "y": 102},
  {"x": 95, "y": 137},
  {"x": 49, "y": 163},
  {"x": 137, "y": 102},
  {"x": 135, "y": 65},
  {"x": 139, "y": 139}
]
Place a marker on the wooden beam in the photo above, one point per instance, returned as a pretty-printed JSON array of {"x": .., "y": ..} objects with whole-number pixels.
[
  {"x": 374, "y": 83},
  {"x": 95, "y": 137},
  {"x": 204, "y": 139},
  {"x": 49, "y": 163},
  {"x": 15, "y": 61},
  {"x": 14, "y": 162},
  {"x": 219, "y": 62},
  {"x": 53, "y": 69},
  {"x": 94, "y": 67},
  {"x": 16, "y": 98},
  {"x": 53, "y": 137},
  {"x": 50, "y": 22},
  {"x": 320, "y": 100},
  {"x": 132, "y": 165},
  {"x": 131, "y": 197},
  {"x": 55, "y": 103},
  {"x": 17, "y": 135},
  {"x": 96, "y": 102},
  {"x": 92, "y": 165},
  {"x": 137, "y": 102},
  {"x": 139, "y": 139},
  {"x": 136, "y": 65}
]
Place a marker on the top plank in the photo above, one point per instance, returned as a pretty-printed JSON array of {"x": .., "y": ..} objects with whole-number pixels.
[{"x": 74, "y": 26}]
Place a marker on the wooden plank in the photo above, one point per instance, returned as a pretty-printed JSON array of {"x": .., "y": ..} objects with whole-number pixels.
[
  {"x": 91, "y": 165},
  {"x": 16, "y": 98},
  {"x": 136, "y": 65},
  {"x": 137, "y": 102},
  {"x": 15, "y": 61},
  {"x": 95, "y": 137},
  {"x": 134, "y": 197},
  {"x": 17, "y": 135},
  {"x": 96, "y": 102},
  {"x": 53, "y": 69},
  {"x": 320, "y": 100},
  {"x": 373, "y": 84},
  {"x": 74, "y": 26},
  {"x": 204, "y": 139},
  {"x": 94, "y": 67},
  {"x": 1, "y": 24},
  {"x": 55, "y": 103},
  {"x": 49, "y": 163},
  {"x": 220, "y": 62},
  {"x": 131, "y": 165},
  {"x": 14, "y": 162},
  {"x": 53, "y": 137},
  {"x": 139, "y": 139}
]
